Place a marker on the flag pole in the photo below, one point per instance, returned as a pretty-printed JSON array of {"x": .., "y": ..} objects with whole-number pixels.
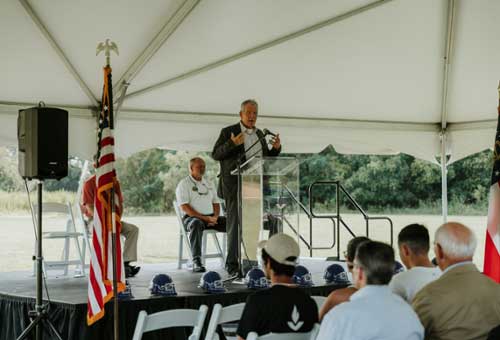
[{"x": 107, "y": 47}]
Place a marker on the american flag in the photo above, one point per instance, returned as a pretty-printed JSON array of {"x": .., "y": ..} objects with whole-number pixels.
[
  {"x": 100, "y": 288},
  {"x": 492, "y": 247}
]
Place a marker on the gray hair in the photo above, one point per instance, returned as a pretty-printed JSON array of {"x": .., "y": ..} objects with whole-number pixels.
[
  {"x": 249, "y": 101},
  {"x": 194, "y": 160},
  {"x": 456, "y": 240},
  {"x": 377, "y": 261}
]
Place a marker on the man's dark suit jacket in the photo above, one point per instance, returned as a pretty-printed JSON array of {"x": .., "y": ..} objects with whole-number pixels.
[{"x": 227, "y": 153}]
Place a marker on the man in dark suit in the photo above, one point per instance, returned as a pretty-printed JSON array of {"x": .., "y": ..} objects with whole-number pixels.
[{"x": 230, "y": 147}]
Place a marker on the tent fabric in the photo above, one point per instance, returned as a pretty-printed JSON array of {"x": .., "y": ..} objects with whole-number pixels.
[{"x": 364, "y": 76}]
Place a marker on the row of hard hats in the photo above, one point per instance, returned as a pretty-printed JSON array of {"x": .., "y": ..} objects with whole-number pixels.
[{"x": 211, "y": 282}]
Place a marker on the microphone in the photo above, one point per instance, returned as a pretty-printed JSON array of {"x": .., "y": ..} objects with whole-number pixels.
[{"x": 267, "y": 132}]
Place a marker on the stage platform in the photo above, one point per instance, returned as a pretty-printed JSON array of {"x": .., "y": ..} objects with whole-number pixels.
[{"x": 68, "y": 296}]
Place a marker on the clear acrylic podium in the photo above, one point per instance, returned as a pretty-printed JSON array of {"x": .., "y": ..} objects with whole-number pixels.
[{"x": 264, "y": 201}]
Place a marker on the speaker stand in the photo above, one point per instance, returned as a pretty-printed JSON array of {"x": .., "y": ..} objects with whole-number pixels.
[{"x": 39, "y": 316}]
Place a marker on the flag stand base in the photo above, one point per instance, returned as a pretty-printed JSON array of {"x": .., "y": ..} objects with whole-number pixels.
[{"x": 39, "y": 316}]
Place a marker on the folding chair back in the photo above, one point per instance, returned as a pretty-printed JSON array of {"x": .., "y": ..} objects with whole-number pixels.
[
  {"x": 171, "y": 318},
  {"x": 67, "y": 234},
  {"x": 222, "y": 315}
]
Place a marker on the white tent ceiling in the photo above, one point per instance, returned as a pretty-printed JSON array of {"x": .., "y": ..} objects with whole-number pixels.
[{"x": 364, "y": 76}]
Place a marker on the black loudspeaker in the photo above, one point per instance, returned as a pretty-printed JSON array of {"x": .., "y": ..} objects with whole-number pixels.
[{"x": 42, "y": 134}]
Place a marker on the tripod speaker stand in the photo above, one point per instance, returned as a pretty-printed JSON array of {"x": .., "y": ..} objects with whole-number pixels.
[
  {"x": 42, "y": 134},
  {"x": 39, "y": 315}
]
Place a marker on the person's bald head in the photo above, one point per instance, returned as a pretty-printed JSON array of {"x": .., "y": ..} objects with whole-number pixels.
[{"x": 454, "y": 243}]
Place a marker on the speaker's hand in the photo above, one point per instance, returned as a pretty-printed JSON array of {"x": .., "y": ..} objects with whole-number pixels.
[
  {"x": 276, "y": 142},
  {"x": 239, "y": 139}
]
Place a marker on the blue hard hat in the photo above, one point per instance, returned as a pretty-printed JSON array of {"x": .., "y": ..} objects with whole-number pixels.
[
  {"x": 127, "y": 293},
  {"x": 211, "y": 282},
  {"x": 256, "y": 279},
  {"x": 162, "y": 285},
  {"x": 302, "y": 276},
  {"x": 336, "y": 274},
  {"x": 398, "y": 268}
]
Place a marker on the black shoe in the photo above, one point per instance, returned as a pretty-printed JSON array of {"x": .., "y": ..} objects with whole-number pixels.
[
  {"x": 131, "y": 271},
  {"x": 233, "y": 272},
  {"x": 198, "y": 266}
]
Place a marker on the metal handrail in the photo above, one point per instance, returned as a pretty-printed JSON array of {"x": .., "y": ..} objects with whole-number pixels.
[
  {"x": 310, "y": 217},
  {"x": 340, "y": 188},
  {"x": 336, "y": 218}
]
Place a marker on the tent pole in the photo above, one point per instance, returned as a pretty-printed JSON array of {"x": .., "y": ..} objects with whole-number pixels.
[{"x": 444, "y": 184}]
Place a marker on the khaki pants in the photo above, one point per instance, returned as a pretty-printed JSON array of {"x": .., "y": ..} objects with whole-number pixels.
[{"x": 131, "y": 234}]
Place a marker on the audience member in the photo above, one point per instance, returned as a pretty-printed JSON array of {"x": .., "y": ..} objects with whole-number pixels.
[
  {"x": 129, "y": 230},
  {"x": 462, "y": 303},
  {"x": 342, "y": 295},
  {"x": 197, "y": 199},
  {"x": 284, "y": 307},
  {"x": 413, "y": 242},
  {"x": 373, "y": 312}
]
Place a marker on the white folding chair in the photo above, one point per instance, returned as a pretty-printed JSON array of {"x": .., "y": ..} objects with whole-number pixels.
[
  {"x": 222, "y": 315},
  {"x": 286, "y": 336},
  {"x": 69, "y": 233},
  {"x": 171, "y": 318},
  {"x": 184, "y": 242},
  {"x": 320, "y": 300}
]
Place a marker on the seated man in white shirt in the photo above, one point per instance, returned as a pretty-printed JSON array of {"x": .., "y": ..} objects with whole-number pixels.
[
  {"x": 413, "y": 241},
  {"x": 197, "y": 199},
  {"x": 373, "y": 312}
]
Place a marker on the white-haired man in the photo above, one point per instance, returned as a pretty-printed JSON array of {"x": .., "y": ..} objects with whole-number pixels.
[
  {"x": 232, "y": 146},
  {"x": 198, "y": 200},
  {"x": 462, "y": 303}
]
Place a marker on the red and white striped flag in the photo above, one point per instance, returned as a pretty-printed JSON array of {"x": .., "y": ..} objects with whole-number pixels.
[
  {"x": 100, "y": 288},
  {"x": 492, "y": 247}
]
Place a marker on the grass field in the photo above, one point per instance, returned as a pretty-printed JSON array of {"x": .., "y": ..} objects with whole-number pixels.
[{"x": 158, "y": 241}]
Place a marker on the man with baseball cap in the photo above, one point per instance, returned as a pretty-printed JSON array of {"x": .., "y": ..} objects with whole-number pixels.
[{"x": 284, "y": 307}]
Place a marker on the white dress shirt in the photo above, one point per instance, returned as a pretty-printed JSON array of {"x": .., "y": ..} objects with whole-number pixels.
[
  {"x": 200, "y": 195},
  {"x": 251, "y": 138},
  {"x": 407, "y": 284},
  {"x": 373, "y": 313}
]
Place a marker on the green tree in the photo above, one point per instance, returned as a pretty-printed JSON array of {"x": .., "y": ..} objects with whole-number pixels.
[
  {"x": 383, "y": 181},
  {"x": 469, "y": 179},
  {"x": 10, "y": 180},
  {"x": 141, "y": 183}
]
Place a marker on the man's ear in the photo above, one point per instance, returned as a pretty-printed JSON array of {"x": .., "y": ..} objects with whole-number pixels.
[
  {"x": 439, "y": 251},
  {"x": 405, "y": 249},
  {"x": 267, "y": 268},
  {"x": 361, "y": 274},
  {"x": 359, "y": 277}
]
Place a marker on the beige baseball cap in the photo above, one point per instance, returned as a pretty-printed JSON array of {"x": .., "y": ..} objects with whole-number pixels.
[{"x": 281, "y": 247}]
